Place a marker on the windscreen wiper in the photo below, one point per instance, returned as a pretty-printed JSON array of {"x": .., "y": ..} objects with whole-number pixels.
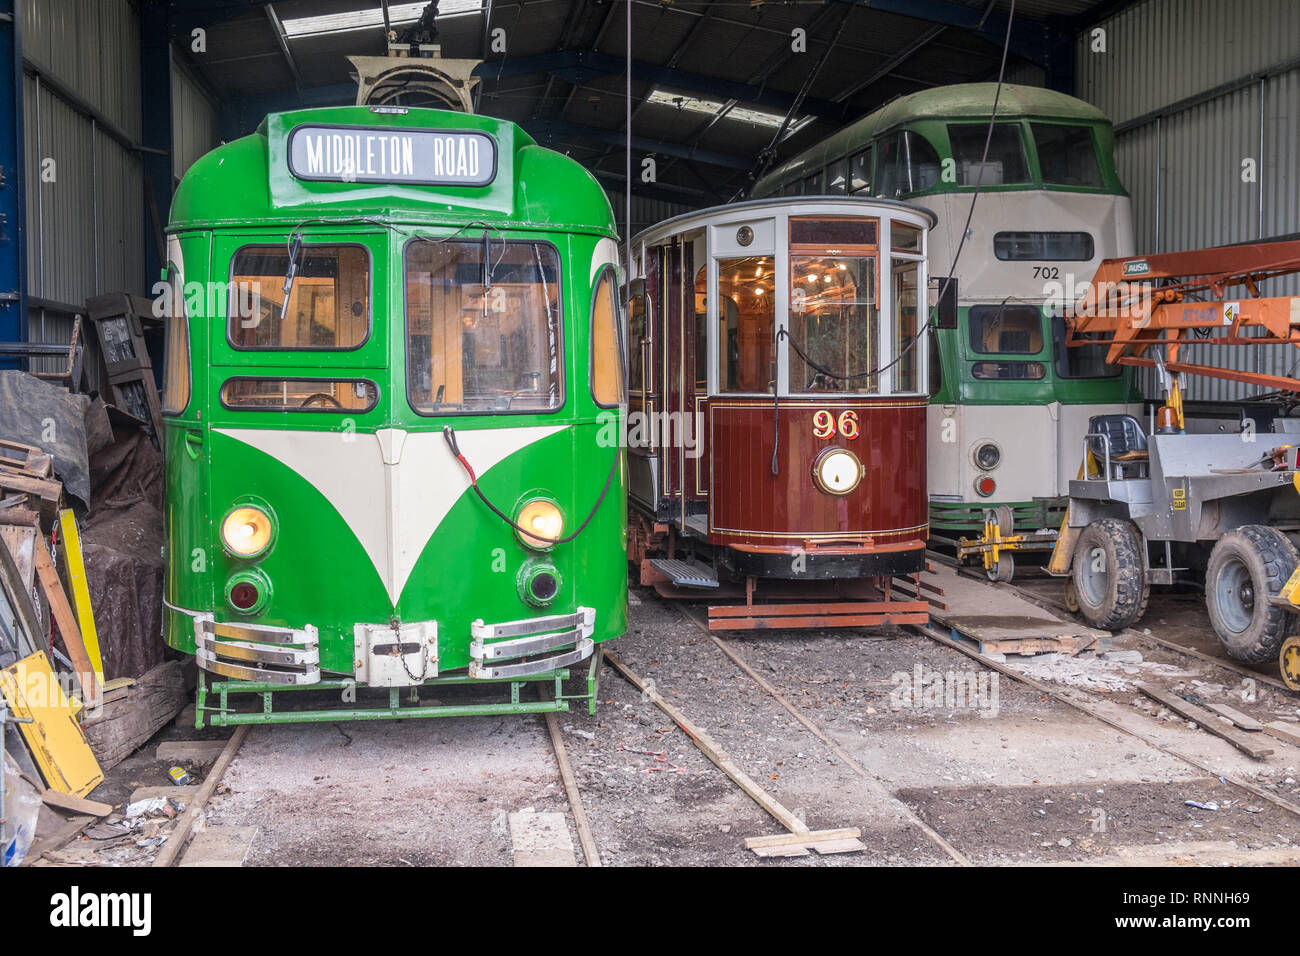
[{"x": 294, "y": 252}]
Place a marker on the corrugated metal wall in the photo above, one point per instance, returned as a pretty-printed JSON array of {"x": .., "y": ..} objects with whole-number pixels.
[
  {"x": 84, "y": 186},
  {"x": 1192, "y": 85},
  {"x": 196, "y": 120}
]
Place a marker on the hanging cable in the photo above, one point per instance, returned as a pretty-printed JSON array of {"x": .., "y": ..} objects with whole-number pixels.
[{"x": 449, "y": 434}]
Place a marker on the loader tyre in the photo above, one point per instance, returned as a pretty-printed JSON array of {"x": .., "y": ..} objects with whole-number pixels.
[
  {"x": 1246, "y": 567},
  {"x": 1109, "y": 575}
]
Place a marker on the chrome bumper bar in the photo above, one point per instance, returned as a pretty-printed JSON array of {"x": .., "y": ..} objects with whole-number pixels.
[
  {"x": 258, "y": 652},
  {"x": 570, "y": 634}
]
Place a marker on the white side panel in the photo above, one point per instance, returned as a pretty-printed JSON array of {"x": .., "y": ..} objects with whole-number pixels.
[
  {"x": 1042, "y": 446},
  {"x": 983, "y": 277}
]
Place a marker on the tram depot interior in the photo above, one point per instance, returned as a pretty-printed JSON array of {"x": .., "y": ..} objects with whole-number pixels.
[{"x": 649, "y": 433}]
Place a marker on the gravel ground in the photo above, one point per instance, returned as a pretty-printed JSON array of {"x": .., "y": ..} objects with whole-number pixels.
[{"x": 1006, "y": 774}]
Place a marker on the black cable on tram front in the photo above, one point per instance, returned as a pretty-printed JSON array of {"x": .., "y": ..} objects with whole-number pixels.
[{"x": 449, "y": 434}]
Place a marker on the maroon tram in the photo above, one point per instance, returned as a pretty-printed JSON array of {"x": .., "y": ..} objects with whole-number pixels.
[{"x": 777, "y": 419}]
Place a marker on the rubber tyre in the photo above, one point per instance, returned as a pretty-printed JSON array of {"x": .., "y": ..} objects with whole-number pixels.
[
  {"x": 1245, "y": 567},
  {"x": 1109, "y": 574}
]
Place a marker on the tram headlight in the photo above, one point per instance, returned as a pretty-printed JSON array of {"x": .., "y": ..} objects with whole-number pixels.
[
  {"x": 541, "y": 518},
  {"x": 837, "y": 471},
  {"x": 987, "y": 456},
  {"x": 247, "y": 531}
]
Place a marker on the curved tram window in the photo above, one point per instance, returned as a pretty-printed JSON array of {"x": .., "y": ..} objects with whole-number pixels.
[
  {"x": 1005, "y": 163},
  {"x": 1066, "y": 155},
  {"x": 834, "y": 305},
  {"x": 328, "y": 306},
  {"x": 299, "y": 394},
  {"x": 483, "y": 336}
]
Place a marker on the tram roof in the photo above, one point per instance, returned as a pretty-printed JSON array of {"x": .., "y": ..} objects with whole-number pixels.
[
  {"x": 798, "y": 206},
  {"x": 248, "y": 181},
  {"x": 960, "y": 101}
]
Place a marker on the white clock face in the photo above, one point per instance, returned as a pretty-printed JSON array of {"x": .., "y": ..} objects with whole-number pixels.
[{"x": 838, "y": 471}]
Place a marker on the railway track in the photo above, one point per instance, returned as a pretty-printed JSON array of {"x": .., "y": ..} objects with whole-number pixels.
[{"x": 1073, "y": 698}]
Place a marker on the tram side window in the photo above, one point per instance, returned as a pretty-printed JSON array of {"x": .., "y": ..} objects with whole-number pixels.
[
  {"x": 1067, "y": 155},
  {"x": 606, "y": 349},
  {"x": 860, "y": 172},
  {"x": 1005, "y": 163},
  {"x": 747, "y": 322},
  {"x": 837, "y": 178},
  {"x": 176, "y": 369},
  {"x": 1006, "y": 329},
  {"x": 639, "y": 355},
  {"x": 906, "y": 322},
  {"x": 908, "y": 164},
  {"x": 702, "y": 330},
  {"x": 328, "y": 305},
  {"x": 483, "y": 336}
]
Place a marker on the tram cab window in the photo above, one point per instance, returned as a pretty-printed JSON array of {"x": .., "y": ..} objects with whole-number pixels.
[
  {"x": 908, "y": 164},
  {"x": 483, "y": 327},
  {"x": 1006, "y": 329},
  {"x": 747, "y": 323},
  {"x": 299, "y": 394},
  {"x": 1009, "y": 371},
  {"x": 835, "y": 320},
  {"x": 176, "y": 368},
  {"x": 1005, "y": 163},
  {"x": 328, "y": 305},
  {"x": 1084, "y": 361},
  {"x": 1067, "y": 155},
  {"x": 606, "y": 347}
]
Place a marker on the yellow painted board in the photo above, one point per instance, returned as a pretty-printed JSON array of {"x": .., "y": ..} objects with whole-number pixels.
[
  {"x": 54, "y": 736},
  {"x": 76, "y": 568}
]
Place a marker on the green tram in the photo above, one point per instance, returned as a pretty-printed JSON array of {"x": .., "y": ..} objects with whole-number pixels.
[
  {"x": 393, "y": 402},
  {"x": 1009, "y": 404}
]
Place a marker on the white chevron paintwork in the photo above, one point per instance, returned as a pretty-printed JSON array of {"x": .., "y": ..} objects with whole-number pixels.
[{"x": 393, "y": 488}]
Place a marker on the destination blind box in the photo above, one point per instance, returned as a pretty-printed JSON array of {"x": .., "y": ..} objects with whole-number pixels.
[{"x": 418, "y": 157}]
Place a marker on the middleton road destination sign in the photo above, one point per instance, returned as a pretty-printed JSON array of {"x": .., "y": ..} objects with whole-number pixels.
[{"x": 416, "y": 156}]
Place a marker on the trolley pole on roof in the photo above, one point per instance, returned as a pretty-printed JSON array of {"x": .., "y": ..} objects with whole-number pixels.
[{"x": 627, "y": 149}]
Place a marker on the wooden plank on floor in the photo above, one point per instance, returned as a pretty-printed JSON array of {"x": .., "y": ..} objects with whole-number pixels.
[
  {"x": 219, "y": 846},
  {"x": 541, "y": 839},
  {"x": 1208, "y": 722},
  {"x": 1283, "y": 730},
  {"x": 986, "y": 613},
  {"x": 74, "y": 804},
  {"x": 189, "y": 751},
  {"x": 1236, "y": 716}
]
